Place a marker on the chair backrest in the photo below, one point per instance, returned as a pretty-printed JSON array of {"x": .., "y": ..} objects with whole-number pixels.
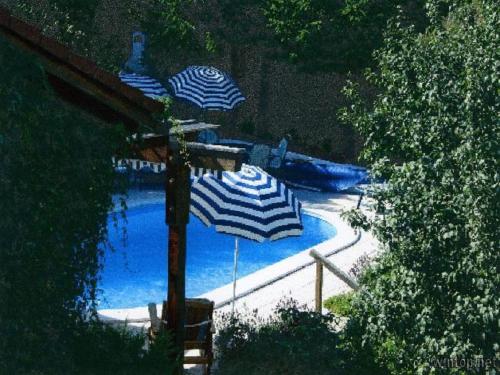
[
  {"x": 280, "y": 154},
  {"x": 282, "y": 147},
  {"x": 198, "y": 310},
  {"x": 260, "y": 155},
  {"x": 153, "y": 316}
]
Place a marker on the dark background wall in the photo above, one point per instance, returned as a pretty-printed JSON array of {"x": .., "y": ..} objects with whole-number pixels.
[{"x": 281, "y": 100}]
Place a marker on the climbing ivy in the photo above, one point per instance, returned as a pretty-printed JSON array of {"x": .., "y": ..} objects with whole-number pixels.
[{"x": 57, "y": 180}]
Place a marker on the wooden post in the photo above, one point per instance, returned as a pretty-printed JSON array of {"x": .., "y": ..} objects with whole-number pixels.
[
  {"x": 319, "y": 286},
  {"x": 177, "y": 193},
  {"x": 177, "y": 217}
]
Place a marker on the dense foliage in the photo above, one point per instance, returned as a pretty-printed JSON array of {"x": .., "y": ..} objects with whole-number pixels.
[
  {"x": 433, "y": 132},
  {"x": 56, "y": 185},
  {"x": 100, "y": 349},
  {"x": 70, "y": 21},
  {"x": 334, "y": 35},
  {"x": 169, "y": 30},
  {"x": 292, "y": 341}
]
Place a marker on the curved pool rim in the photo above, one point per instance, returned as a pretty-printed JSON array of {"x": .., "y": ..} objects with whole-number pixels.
[
  {"x": 135, "y": 272},
  {"x": 345, "y": 238},
  {"x": 290, "y": 270}
]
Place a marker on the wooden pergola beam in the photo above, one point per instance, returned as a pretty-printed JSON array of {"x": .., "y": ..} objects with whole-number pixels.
[
  {"x": 200, "y": 155},
  {"x": 215, "y": 157}
]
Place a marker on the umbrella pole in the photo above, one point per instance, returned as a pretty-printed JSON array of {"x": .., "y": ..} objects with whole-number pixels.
[{"x": 235, "y": 270}]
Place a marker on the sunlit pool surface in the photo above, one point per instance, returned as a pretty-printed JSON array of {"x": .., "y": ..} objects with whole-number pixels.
[{"x": 135, "y": 272}]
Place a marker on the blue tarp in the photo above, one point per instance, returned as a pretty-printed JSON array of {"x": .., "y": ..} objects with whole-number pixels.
[{"x": 329, "y": 176}]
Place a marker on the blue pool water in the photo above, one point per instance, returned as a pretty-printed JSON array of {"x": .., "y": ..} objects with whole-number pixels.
[{"x": 135, "y": 272}]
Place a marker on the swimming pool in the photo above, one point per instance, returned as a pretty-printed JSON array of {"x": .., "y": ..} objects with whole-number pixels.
[{"x": 135, "y": 272}]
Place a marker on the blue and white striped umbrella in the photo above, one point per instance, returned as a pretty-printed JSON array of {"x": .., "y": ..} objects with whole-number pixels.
[
  {"x": 249, "y": 204},
  {"x": 207, "y": 87},
  {"x": 149, "y": 86}
]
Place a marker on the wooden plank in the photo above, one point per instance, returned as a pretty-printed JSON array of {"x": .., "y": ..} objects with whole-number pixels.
[
  {"x": 191, "y": 344},
  {"x": 35, "y": 41},
  {"x": 176, "y": 285},
  {"x": 186, "y": 129},
  {"x": 153, "y": 155},
  {"x": 90, "y": 104},
  {"x": 188, "y": 121},
  {"x": 319, "y": 286},
  {"x": 200, "y": 155},
  {"x": 5, "y": 17},
  {"x": 176, "y": 217},
  {"x": 195, "y": 127},
  {"x": 203, "y": 148},
  {"x": 100, "y": 93},
  {"x": 215, "y": 157},
  {"x": 334, "y": 269},
  {"x": 214, "y": 162},
  {"x": 25, "y": 30},
  {"x": 192, "y": 360},
  {"x": 87, "y": 86}
]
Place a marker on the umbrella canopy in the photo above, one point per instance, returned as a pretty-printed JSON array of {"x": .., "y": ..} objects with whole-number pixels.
[
  {"x": 249, "y": 204},
  {"x": 149, "y": 86},
  {"x": 207, "y": 87}
]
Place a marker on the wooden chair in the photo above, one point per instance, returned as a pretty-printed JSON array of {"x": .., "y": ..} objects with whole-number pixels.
[{"x": 198, "y": 333}]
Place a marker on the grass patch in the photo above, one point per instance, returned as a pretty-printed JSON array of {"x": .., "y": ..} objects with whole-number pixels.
[{"x": 340, "y": 304}]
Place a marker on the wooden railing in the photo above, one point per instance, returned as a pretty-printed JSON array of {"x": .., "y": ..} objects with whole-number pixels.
[{"x": 321, "y": 262}]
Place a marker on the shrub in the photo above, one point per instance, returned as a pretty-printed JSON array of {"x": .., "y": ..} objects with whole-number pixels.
[
  {"x": 433, "y": 133},
  {"x": 292, "y": 341},
  {"x": 247, "y": 127},
  {"x": 56, "y": 186},
  {"x": 359, "y": 266},
  {"x": 103, "y": 349}
]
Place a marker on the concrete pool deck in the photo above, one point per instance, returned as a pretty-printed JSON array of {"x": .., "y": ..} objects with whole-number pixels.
[{"x": 293, "y": 277}]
